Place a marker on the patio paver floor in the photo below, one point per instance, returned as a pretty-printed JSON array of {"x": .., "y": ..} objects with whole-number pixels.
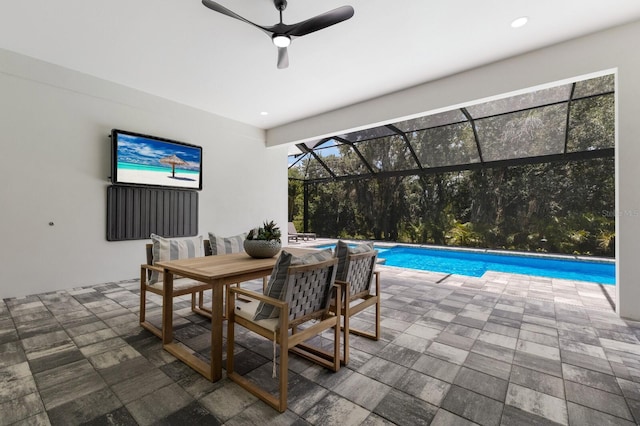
[{"x": 498, "y": 350}]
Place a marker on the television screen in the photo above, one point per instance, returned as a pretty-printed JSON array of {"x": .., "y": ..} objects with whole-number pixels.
[{"x": 148, "y": 160}]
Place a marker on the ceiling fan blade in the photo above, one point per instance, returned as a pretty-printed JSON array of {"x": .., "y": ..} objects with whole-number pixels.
[
  {"x": 283, "y": 58},
  {"x": 221, "y": 9},
  {"x": 319, "y": 22}
]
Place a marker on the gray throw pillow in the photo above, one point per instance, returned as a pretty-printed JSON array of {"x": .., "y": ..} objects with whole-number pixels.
[{"x": 227, "y": 245}]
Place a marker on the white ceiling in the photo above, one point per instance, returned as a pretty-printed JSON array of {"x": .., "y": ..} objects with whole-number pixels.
[{"x": 180, "y": 50}]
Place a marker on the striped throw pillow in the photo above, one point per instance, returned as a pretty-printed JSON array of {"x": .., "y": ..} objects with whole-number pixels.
[
  {"x": 278, "y": 279},
  {"x": 227, "y": 245},
  {"x": 173, "y": 249}
]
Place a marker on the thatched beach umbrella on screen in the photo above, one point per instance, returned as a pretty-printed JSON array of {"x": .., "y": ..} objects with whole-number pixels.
[{"x": 173, "y": 160}]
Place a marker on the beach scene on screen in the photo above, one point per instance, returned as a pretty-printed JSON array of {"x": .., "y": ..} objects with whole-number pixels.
[{"x": 154, "y": 162}]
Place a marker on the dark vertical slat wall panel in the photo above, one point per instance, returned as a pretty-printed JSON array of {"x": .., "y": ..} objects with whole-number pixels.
[
  {"x": 181, "y": 217},
  {"x": 128, "y": 214},
  {"x": 134, "y": 213},
  {"x": 176, "y": 207},
  {"x": 151, "y": 201},
  {"x": 137, "y": 212},
  {"x": 192, "y": 221},
  {"x": 163, "y": 220}
]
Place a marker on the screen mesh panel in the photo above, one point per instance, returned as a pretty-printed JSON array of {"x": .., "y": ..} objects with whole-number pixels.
[
  {"x": 525, "y": 134},
  {"x": 444, "y": 146},
  {"x": 570, "y": 120}
]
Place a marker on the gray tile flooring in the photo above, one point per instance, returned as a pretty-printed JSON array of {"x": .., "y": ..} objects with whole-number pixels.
[{"x": 500, "y": 350}]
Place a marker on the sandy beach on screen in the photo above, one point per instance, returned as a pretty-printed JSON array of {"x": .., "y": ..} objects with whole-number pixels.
[{"x": 186, "y": 180}]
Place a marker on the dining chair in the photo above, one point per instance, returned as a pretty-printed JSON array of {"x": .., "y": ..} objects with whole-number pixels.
[
  {"x": 181, "y": 286},
  {"x": 356, "y": 278},
  {"x": 298, "y": 313}
]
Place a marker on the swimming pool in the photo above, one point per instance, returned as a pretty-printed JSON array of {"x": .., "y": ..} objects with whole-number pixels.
[{"x": 475, "y": 264}]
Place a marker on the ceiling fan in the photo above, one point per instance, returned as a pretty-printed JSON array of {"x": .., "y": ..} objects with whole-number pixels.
[{"x": 281, "y": 34}]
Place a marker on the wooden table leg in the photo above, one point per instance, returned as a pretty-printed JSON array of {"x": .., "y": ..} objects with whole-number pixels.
[
  {"x": 216, "y": 331},
  {"x": 167, "y": 308},
  {"x": 212, "y": 370}
]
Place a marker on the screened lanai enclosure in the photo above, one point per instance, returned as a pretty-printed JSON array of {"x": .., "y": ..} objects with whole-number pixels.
[{"x": 530, "y": 172}]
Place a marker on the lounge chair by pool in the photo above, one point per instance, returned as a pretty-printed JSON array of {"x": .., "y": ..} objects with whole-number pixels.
[{"x": 294, "y": 235}]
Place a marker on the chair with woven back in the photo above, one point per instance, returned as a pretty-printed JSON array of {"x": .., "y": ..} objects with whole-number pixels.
[
  {"x": 356, "y": 275},
  {"x": 298, "y": 312},
  {"x": 151, "y": 279}
]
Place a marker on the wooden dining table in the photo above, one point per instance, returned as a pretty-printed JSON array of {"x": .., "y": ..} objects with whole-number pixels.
[{"x": 218, "y": 271}]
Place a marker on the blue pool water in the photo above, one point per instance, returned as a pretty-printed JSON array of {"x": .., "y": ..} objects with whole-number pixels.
[{"x": 476, "y": 264}]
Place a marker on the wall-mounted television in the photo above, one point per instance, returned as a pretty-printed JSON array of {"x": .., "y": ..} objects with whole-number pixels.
[{"x": 138, "y": 159}]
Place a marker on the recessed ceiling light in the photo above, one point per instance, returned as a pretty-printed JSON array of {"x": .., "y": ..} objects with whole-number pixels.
[
  {"x": 264, "y": 113},
  {"x": 519, "y": 22}
]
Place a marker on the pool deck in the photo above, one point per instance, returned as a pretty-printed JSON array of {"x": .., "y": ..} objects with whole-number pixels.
[
  {"x": 497, "y": 350},
  {"x": 570, "y": 292}
]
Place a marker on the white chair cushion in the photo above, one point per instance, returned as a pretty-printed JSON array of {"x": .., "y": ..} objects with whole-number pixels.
[{"x": 247, "y": 310}]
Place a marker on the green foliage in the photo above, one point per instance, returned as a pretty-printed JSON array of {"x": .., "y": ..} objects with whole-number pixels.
[
  {"x": 553, "y": 207},
  {"x": 606, "y": 240},
  {"x": 268, "y": 231},
  {"x": 462, "y": 234},
  {"x": 296, "y": 188}
]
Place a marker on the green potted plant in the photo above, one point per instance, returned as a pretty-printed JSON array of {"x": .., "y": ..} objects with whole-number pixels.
[{"x": 264, "y": 241}]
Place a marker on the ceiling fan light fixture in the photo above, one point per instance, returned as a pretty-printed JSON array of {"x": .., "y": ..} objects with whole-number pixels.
[
  {"x": 519, "y": 22},
  {"x": 281, "y": 40}
]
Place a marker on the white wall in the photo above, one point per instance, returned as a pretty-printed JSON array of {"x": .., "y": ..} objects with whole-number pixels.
[
  {"x": 614, "y": 49},
  {"x": 55, "y": 160}
]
